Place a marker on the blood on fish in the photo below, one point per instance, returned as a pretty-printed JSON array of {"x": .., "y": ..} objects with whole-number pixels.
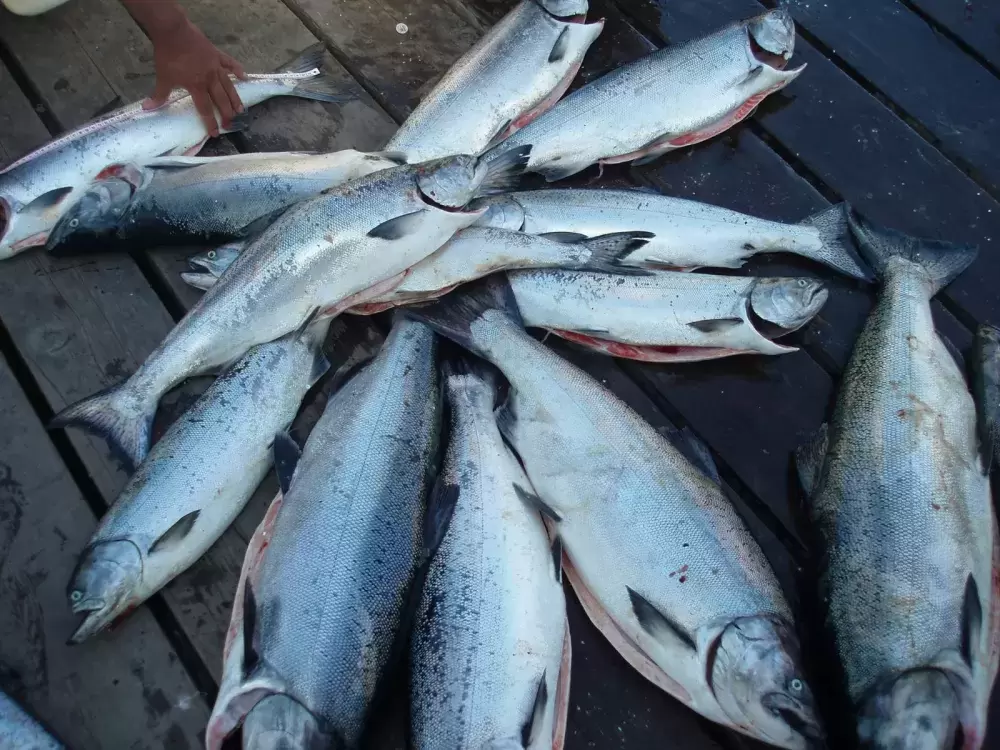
[
  {"x": 738, "y": 114},
  {"x": 649, "y": 353}
]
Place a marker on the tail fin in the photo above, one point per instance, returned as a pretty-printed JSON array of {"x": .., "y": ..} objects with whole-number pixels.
[
  {"x": 609, "y": 250},
  {"x": 986, "y": 389},
  {"x": 452, "y": 315},
  {"x": 837, "y": 250},
  {"x": 322, "y": 88},
  {"x": 942, "y": 261},
  {"x": 503, "y": 171},
  {"x": 118, "y": 415},
  {"x": 472, "y": 374}
]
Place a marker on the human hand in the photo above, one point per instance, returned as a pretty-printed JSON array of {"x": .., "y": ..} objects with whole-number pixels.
[{"x": 185, "y": 58}]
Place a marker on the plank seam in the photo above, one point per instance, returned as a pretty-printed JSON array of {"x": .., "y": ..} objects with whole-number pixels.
[
  {"x": 939, "y": 28},
  {"x": 341, "y": 57},
  {"x": 895, "y": 108},
  {"x": 30, "y": 91}
]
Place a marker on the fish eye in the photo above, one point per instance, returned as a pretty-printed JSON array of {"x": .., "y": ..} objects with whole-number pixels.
[
  {"x": 795, "y": 685},
  {"x": 76, "y": 596},
  {"x": 74, "y": 223},
  {"x": 802, "y": 282},
  {"x": 211, "y": 254}
]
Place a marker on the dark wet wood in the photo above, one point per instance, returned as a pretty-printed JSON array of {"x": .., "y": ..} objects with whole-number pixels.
[
  {"x": 974, "y": 22},
  {"x": 123, "y": 690}
]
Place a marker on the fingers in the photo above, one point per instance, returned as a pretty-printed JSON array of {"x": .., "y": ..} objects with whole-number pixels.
[
  {"x": 203, "y": 104},
  {"x": 230, "y": 91},
  {"x": 159, "y": 97},
  {"x": 233, "y": 67},
  {"x": 221, "y": 100}
]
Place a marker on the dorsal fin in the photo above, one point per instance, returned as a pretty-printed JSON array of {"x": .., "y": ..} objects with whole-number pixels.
[
  {"x": 557, "y": 553},
  {"x": 286, "y": 457},
  {"x": 251, "y": 656},
  {"x": 972, "y": 619},
  {"x": 534, "y": 501}
]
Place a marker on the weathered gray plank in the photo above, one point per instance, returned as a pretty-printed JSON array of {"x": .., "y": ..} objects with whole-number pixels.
[
  {"x": 397, "y": 63},
  {"x": 22, "y": 130},
  {"x": 123, "y": 690}
]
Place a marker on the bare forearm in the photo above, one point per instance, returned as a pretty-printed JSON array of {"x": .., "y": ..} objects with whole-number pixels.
[{"x": 158, "y": 18}]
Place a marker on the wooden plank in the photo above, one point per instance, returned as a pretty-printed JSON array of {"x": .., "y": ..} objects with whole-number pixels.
[
  {"x": 399, "y": 65},
  {"x": 22, "y": 130},
  {"x": 858, "y": 149},
  {"x": 81, "y": 325},
  {"x": 921, "y": 71},
  {"x": 44, "y": 523},
  {"x": 974, "y": 22}
]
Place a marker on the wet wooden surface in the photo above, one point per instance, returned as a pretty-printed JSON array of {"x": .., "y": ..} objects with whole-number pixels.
[{"x": 897, "y": 113}]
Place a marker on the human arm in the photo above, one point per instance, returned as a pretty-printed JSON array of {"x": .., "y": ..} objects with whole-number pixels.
[{"x": 185, "y": 58}]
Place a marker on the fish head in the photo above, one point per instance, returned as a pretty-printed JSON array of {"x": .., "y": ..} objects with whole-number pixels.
[
  {"x": 95, "y": 215},
  {"x": 450, "y": 182},
  {"x": 918, "y": 710},
  {"x": 788, "y": 303},
  {"x": 502, "y": 212},
  {"x": 758, "y": 681},
  {"x": 216, "y": 260},
  {"x": 104, "y": 585},
  {"x": 279, "y": 722},
  {"x": 771, "y": 37},
  {"x": 565, "y": 8}
]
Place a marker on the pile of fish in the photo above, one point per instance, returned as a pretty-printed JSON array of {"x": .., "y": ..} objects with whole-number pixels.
[{"x": 435, "y": 507}]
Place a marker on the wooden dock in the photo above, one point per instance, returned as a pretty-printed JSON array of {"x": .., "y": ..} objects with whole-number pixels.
[{"x": 898, "y": 113}]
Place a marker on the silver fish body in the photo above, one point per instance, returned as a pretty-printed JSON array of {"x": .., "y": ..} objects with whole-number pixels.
[
  {"x": 660, "y": 559},
  {"x": 671, "y": 98},
  {"x": 667, "y": 316},
  {"x": 36, "y": 189},
  {"x": 686, "y": 234},
  {"x": 178, "y": 200},
  {"x": 519, "y": 69},
  {"x": 348, "y": 245},
  {"x": 488, "y": 647},
  {"x": 195, "y": 481},
  {"x": 321, "y": 607},
  {"x": 902, "y": 505},
  {"x": 19, "y": 731},
  {"x": 470, "y": 254}
]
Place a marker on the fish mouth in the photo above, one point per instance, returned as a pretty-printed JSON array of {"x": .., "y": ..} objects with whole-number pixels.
[{"x": 95, "y": 620}]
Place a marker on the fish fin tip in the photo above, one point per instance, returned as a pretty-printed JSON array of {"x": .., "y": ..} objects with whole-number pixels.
[
  {"x": 657, "y": 624},
  {"x": 941, "y": 261},
  {"x": 986, "y": 388},
  {"x": 568, "y": 238},
  {"x": 286, "y": 458},
  {"x": 809, "y": 459},
  {"x": 396, "y": 157},
  {"x": 561, "y": 46},
  {"x": 534, "y": 502},
  {"x": 114, "y": 415},
  {"x": 532, "y": 727},
  {"x": 251, "y": 655},
  {"x": 836, "y": 247},
  {"x": 176, "y": 533},
  {"x": 700, "y": 455},
  {"x": 452, "y": 315},
  {"x": 47, "y": 200},
  {"x": 715, "y": 325},
  {"x": 557, "y": 555},
  {"x": 972, "y": 619},
  {"x": 440, "y": 508},
  {"x": 399, "y": 226},
  {"x": 504, "y": 170},
  {"x": 608, "y": 252}
]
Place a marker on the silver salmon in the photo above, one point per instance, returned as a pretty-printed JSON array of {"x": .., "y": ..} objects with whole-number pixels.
[
  {"x": 19, "y": 731},
  {"x": 518, "y": 70},
  {"x": 187, "y": 200},
  {"x": 342, "y": 248},
  {"x": 323, "y": 599},
  {"x": 36, "y": 189},
  {"x": 490, "y": 651},
  {"x": 195, "y": 481},
  {"x": 659, "y": 558},
  {"x": 667, "y": 316},
  {"x": 901, "y": 501},
  {"x": 685, "y": 234},
  {"x": 677, "y": 96}
]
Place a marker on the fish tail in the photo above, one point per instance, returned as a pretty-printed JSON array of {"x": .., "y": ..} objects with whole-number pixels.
[
  {"x": 472, "y": 375},
  {"x": 118, "y": 414},
  {"x": 609, "y": 251},
  {"x": 504, "y": 171},
  {"x": 941, "y": 261},
  {"x": 321, "y": 88},
  {"x": 837, "y": 250},
  {"x": 452, "y": 316}
]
